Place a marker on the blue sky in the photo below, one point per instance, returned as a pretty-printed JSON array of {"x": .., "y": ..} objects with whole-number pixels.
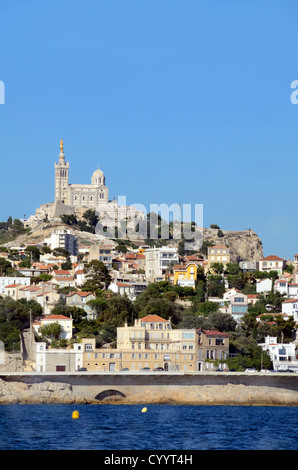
[{"x": 176, "y": 101}]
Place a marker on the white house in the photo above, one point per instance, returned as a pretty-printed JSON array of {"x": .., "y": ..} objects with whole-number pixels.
[
  {"x": 282, "y": 355},
  {"x": 272, "y": 263},
  {"x": 130, "y": 288},
  {"x": 264, "y": 285},
  {"x": 79, "y": 277},
  {"x": 58, "y": 360},
  {"x": 281, "y": 286},
  {"x": 293, "y": 290},
  {"x": 235, "y": 303},
  {"x": 290, "y": 307},
  {"x": 64, "y": 322}
]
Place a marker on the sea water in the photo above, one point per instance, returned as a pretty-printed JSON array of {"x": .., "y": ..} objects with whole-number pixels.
[{"x": 161, "y": 427}]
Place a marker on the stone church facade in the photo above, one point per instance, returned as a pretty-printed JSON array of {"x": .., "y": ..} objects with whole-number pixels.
[
  {"x": 79, "y": 195},
  {"x": 75, "y": 199}
]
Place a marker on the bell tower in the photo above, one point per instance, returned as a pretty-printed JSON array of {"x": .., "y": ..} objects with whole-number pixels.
[{"x": 62, "y": 178}]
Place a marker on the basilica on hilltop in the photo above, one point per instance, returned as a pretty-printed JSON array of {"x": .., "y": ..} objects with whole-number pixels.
[
  {"x": 75, "y": 199},
  {"x": 80, "y": 195}
]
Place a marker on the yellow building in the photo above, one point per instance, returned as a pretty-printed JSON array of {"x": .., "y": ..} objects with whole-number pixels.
[
  {"x": 218, "y": 254},
  {"x": 151, "y": 343},
  {"x": 185, "y": 275}
]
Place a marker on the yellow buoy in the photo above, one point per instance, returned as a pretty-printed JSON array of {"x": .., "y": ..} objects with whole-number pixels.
[
  {"x": 144, "y": 410},
  {"x": 75, "y": 414}
]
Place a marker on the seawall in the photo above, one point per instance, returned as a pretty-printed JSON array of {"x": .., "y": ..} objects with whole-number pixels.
[{"x": 231, "y": 388}]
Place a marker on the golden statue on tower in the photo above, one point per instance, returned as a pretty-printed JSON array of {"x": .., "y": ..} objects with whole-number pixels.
[{"x": 61, "y": 145}]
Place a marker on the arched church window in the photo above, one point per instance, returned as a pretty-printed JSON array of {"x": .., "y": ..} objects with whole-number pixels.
[{"x": 83, "y": 198}]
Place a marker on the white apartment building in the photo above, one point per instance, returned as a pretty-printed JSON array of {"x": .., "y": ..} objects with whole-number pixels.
[
  {"x": 282, "y": 354},
  {"x": 63, "y": 239},
  {"x": 13, "y": 280},
  {"x": 158, "y": 261}
]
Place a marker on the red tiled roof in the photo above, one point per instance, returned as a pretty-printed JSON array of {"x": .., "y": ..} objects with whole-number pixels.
[
  {"x": 55, "y": 317},
  {"x": 153, "y": 318},
  {"x": 82, "y": 294},
  {"x": 271, "y": 258},
  {"x": 13, "y": 285},
  {"x": 214, "y": 333}
]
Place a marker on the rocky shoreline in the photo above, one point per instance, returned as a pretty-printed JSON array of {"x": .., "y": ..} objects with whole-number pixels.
[{"x": 62, "y": 393}]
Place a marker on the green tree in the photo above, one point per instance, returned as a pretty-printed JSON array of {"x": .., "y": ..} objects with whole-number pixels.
[
  {"x": 91, "y": 217},
  {"x": 98, "y": 276},
  {"x": 50, "y": 331},
  {"x": 207, "y": 307},
  {"x": 217, "y": 268},
  {"x": 5, "y": 265},
  {"x": 69, "y": 219},
  {"x": 59, "y": 251},
  {"x": 67, "y": 264},
  {"x": 33, "y": 253},
  {"x": 215, "y": 285}
]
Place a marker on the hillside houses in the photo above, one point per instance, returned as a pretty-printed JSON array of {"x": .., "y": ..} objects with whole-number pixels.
[{"x": 132, "y": 270}]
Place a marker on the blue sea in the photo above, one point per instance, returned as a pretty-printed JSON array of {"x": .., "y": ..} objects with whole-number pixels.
[{"x": 161, "y": 427}]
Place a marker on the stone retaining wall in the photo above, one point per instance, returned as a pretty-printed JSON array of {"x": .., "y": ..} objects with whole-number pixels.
[{"x": 278, "y": 389}]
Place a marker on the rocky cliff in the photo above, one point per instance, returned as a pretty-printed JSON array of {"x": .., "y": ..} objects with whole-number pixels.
[{"x": 244, "y": 245}]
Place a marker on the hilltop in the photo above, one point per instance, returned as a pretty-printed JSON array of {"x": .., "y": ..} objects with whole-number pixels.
[{"x": 244, "y": 245}]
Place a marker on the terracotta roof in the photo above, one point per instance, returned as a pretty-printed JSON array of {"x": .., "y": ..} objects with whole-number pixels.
[
  {"x": 62, "y": 279},
  {"x": 13, "y": 285},
  {"x": 179, "y": 267},
  {"x": 82, "y": 294},
  {"x": 55, "y": 317},
  {"x": 271, "y": 258},
  {"x": 153, "y": 318},
  {"x": 61, "y": 271},
  {"x": 214, "y": 333}
]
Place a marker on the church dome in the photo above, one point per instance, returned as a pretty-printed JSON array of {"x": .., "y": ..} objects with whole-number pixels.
[
  {"x": 97, "y": 173},
  {"x": 98, "y": 177}
]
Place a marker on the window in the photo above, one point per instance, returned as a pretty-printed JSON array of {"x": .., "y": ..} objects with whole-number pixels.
[{"x": 187, "y": 335}]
